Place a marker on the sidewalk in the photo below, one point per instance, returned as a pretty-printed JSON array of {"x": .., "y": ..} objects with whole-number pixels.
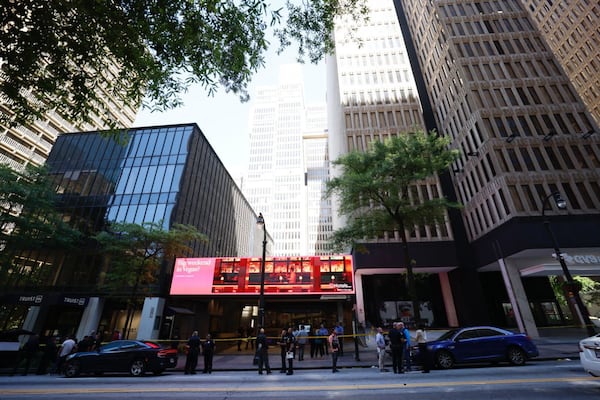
[{"x": 555, "y": 346}]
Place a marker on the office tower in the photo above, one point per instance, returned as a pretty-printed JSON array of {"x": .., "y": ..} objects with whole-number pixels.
[
  {"x": 372, "y": 96},
  {"x": 503, "y": 82},
  {"x": 31, "y": 143},
  {"x": 493, "y": 74},
  {"x": 317, "y": 213},
  {"x": 571, "y": 29},
  {"x": 286, "y": 163}
]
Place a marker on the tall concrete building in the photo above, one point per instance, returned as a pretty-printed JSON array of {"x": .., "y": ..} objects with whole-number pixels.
[
  {"x": 571, "y": 29},
  {"x": 31, "y": 144},
  {"x": 288, "y": 166},
  {"x": 498, "y": 79}
]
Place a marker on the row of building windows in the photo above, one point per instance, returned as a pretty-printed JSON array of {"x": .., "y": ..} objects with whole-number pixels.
[
  {"x": 381, "y": 119},
  {"x": 528, "y": 199}
]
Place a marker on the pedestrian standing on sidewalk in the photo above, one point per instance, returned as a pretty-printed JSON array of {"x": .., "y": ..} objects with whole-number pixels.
[
  {"x": 290, "y": 346},
  {"x": 334, "y": 347},
  {"x": 193, "y": 351},
  {"x": 302, "y": 338},
  {"x": 424, "y": 357},
  {"x": 380, "y": 343},
  {"x": 282, "y": 350},
  {"x": 397, "y": 347},
  {"x": 48, "y": 357},
  {"x": 339, "y": 330},
  {"x": 208, "y": 351},
  {"x": 27, "y": 353},
  {"x": 262, "y": 350},
  {"x": 406, "y": 348}
]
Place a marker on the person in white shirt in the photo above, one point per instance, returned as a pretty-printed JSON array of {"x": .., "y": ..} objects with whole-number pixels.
[
  {"x": 421, "y": 339},
  {"x": 68, "y": 346},
  {"x": 380, "y": 343}
]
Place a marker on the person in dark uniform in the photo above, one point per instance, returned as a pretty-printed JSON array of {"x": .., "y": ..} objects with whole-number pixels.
[
  {"x": 282, "y": 348},
  {"x": 208, "y": 350},
  {"x": 27, "y": 354},
  {"x": 262, "y": 350},
  {"x": 48, "y": 356},
  {"x": 193, "y": 347},
  {"x": 290, "y": 347},
  {"x": 397, "y": 347}
]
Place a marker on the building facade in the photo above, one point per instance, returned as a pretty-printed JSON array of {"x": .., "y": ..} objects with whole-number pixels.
[
  {"x": 489, "y": 76},
  {"x": 288, "y": 166},
  {"x": 31, "y": 144},
  {"x": 165, "y": 174}
]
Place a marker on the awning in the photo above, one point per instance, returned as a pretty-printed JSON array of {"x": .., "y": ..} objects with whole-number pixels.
[{"x": 171, "y": 310}]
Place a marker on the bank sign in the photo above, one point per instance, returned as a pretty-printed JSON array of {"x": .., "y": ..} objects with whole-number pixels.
[
  {"x": 45, "y": 299},
  {"x": 282, "y": 275}
]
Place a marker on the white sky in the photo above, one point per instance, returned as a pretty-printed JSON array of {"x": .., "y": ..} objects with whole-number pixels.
[{"x": 224, "y": 119}]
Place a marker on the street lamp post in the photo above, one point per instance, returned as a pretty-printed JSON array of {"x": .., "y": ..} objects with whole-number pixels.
[
  {"x": 260, "y": 221},
  {"x": 573, "y": 287}
]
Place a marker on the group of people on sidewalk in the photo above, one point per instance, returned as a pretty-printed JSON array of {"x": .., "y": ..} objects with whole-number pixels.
[
  {"x": 50, "y": 353},
  {"x": 291, "y": 341},
  {"x": 194, "y": 347},
  {"x": 400, "y": 348}
]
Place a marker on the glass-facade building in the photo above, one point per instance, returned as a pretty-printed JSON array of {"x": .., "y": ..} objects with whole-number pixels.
[{"x": 166, "y": 174}]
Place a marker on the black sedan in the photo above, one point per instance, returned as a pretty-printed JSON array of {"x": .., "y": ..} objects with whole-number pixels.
[
  {"x": 481, "y": 344},
  {"x": 133, "y": 356}
]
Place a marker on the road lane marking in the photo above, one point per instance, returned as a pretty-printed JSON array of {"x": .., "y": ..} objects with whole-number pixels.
[{"x": 278, "y": 388}]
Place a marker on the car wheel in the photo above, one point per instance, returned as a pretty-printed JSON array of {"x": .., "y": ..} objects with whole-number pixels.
[
  {"x": 137, "y": 368},
  {"x": 516, "y": 356},
  {"x": 159, "y": 371},
  {"x": 444, "y": 359},
  {"x": 72, "y": 369}
]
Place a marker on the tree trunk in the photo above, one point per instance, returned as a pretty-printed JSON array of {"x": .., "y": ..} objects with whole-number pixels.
[{"x": 410, "y": 278}]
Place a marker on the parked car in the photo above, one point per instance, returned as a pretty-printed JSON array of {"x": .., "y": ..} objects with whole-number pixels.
[
  {"x": 133, "y": 356},
  {"x": 589, "y": 354},
  {"x": 481, "y": 344}
]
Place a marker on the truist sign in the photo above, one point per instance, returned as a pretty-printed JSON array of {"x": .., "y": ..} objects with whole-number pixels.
[{"x": 31, "y": 300}]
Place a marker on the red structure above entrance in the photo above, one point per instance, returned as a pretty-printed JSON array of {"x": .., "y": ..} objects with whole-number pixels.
[{"x": 283, "y": 275}]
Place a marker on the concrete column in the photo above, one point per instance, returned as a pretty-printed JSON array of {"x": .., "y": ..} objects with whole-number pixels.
[
  {"x": 91, "y": 317},
  {"x": 30, "y": 322},
  {"x": 518, "y": 297},
  {"x": 151, "y": 317},
  {"x": 448, "y": 299},
  {"x": 360, "y": 300}
]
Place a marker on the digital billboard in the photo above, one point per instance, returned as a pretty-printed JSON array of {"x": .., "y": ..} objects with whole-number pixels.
[{"x": 283, "y": 275}]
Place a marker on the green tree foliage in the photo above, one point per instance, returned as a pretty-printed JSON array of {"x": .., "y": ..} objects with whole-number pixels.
[
  {"x": 375, "y": 192},
  {"x": 135, "y": 253},
  {"x": 53, "y": 53},
  {"x": 29, "y": 218},
  {"x": 590, "y": 290}
]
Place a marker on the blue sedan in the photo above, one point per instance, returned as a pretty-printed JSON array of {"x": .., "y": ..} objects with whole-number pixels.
[{"x": 481, "y": 344}]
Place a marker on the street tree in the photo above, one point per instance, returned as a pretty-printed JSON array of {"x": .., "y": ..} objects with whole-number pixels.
[
  {"x": 54, "y": 54},
  {"x": 30, "y": 222},
  {"x": 376, "y": 192},
  {"x": 134, "y": 255}
]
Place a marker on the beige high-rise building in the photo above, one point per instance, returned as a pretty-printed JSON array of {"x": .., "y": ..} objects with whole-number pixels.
[
  {"x": 517, "y": 93},
  {"x": 288, "y": 166},
  {"x": 572, "y": 30},
  {"x": 31, "y": 144}
]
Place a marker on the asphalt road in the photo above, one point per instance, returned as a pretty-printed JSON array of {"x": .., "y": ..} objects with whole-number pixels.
[{"x": 536, "y": 380}]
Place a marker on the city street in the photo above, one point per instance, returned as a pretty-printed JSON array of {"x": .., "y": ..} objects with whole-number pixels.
[{"x": 536, "y": 380}]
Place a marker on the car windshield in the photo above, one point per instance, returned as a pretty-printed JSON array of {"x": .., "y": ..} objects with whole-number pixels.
[{"x": 448, "y": 335}]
